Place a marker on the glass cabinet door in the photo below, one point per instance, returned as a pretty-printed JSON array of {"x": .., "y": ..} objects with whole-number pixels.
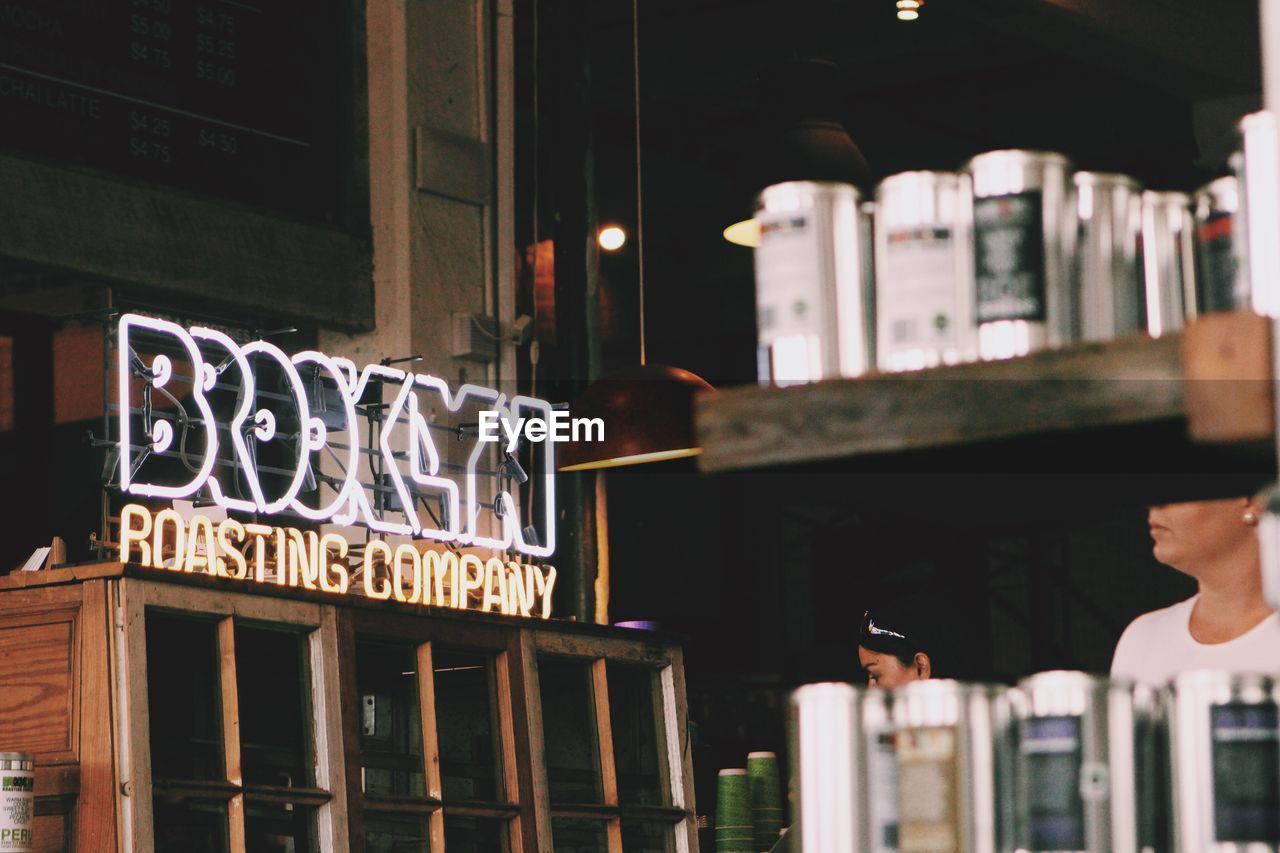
[
  {"x": 611, "y": 750},
  {"x": 570, "y": 732},
  {"x": 467, "y": 726},
  {"x": 272, "y": 679},
  {"x": 635, "y": 710},
  {"x": 234, "y": 719},
  {"x": 436, "y": 730},
  {"x": 391, "y": 758},
  {"x": 184, "y": 697},
  {"x": 188, "y": 824}
]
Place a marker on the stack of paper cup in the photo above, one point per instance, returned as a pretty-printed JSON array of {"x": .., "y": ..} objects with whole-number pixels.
[
  {"x": 766, "y": 798},
  {"x": 734, "y": 833}
]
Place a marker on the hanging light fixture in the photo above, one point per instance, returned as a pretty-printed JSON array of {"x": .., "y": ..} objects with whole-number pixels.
[
  {"x": 647, "y": 409},
  {"x": 909, "y": 10},
  {"x": 802, "y": 137},
  {"x": 744, "y": 233}
]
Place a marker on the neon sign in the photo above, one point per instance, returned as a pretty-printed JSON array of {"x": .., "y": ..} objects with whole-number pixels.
[
  {"x": 287, "y": 556},
  {"x": 254, "y": 430}
]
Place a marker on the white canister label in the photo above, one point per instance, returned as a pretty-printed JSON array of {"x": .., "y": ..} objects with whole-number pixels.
[
  {"x": 17, "y": 805},
  {"x": 918, "y": 299},
  {"x": 883, "y": 761},
  {"x": 929, "y": 788},
  {"x": 788, "y": 296}
]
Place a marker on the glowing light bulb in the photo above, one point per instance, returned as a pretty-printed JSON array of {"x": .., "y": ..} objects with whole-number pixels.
[
  {"x": 611, "y": 238},
  {"x": 909, "y": 10}
]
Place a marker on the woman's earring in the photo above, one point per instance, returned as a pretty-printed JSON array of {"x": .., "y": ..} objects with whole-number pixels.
[{"x": 1250, "y": 517}]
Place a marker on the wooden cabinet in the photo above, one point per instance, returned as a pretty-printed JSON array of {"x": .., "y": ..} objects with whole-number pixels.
[
  {"x": 170, "y": 711},
  {"x": 55, "y": 702}
]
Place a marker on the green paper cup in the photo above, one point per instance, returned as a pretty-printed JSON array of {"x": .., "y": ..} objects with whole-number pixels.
[
  {"x": 734, "y": 831},
  {"x": 765, "y": 782}
]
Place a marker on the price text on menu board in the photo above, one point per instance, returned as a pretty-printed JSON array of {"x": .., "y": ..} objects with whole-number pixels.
[{"x": 237, "y": 98}]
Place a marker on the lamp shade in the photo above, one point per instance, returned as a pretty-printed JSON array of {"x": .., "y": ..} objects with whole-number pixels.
[
  {"x": 801, "y": 137},
  {"x": 647, "y": 411}
]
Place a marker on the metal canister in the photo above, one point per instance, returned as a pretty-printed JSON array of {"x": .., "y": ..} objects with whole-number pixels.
[
  {"x": 1257, "y": 166},
  {"x": 924, "y": 271},
  {"x": 827, "y": 761},
  {"x": 954, "y": 767},
  {"x": 1224, "y": 744},
  {"x": 843, "y": 770},
  {"x": 1109, "y": 208},
  {"x": 1085, "y": 765},
  {"x": 1024, "y": 244},
  {"x": 867, "y": 228},
  {"x": 812, "y": 292},
  {"x": 1168, "y": 259},
  {"x": 880, "y": 790},
  {"x": 17, "y": 800},
  {"x": 1220, "y": 284}
]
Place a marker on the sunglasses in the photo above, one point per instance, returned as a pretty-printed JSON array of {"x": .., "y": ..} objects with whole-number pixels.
[{"x": 871, "y": 629}]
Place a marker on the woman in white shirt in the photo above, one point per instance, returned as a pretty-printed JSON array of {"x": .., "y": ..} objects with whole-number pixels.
[{"x": 1227, "y": 625}]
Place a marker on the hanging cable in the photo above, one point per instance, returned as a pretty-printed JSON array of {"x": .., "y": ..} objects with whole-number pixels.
[
  {"x": 533, "y": 264},
  {"x": 526, "y": 494},
  {"x": 635, "y": 61}
]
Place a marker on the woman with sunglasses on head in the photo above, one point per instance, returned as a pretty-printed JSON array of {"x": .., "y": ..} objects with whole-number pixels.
[
  {"x": 1227, "y": 624},
  {"x": 893, "y": 648},
  {"x": 892, "y": 651}
]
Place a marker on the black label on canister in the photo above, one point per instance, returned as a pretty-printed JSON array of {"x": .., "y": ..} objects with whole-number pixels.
[
  {"x": 1246, "y": 772},
  {"x": 1051, "y": 761},
  {"x": 1216, "y": 284},
  {"x": 1009, "y": 257}
]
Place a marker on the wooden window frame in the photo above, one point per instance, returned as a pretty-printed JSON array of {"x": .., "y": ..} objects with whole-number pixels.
[
  {"x": 667, "y": 664},
  {"x": 317, "y": 622},
  {"x": 425, "y": 636},
  {"x": 332, "y": 633}
]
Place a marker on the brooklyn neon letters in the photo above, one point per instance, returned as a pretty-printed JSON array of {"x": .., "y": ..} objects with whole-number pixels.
[{"x": 272, "y": 406}]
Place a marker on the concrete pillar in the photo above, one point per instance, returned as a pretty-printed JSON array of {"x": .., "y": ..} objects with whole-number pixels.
[{"x": 441, "y": 178}]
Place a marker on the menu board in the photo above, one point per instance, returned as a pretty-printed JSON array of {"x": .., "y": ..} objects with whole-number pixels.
[{"x": 241, "y": 99}]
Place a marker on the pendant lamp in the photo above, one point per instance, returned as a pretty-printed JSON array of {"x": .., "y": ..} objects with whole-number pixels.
[
  {"x": 647, "y": 409},
  {"x": 802, "y": 136}
]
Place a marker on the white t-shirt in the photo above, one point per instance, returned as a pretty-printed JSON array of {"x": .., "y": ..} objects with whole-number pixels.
[{"x": 1158, "y": 645}]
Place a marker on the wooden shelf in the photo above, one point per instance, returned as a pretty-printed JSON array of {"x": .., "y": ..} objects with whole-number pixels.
[{"x": 1213, "y": 379}]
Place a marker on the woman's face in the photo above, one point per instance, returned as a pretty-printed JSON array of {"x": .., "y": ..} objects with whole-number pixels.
[
  {"x": 885, "y": 670},
  {"x": 1189, "y": 536}
]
